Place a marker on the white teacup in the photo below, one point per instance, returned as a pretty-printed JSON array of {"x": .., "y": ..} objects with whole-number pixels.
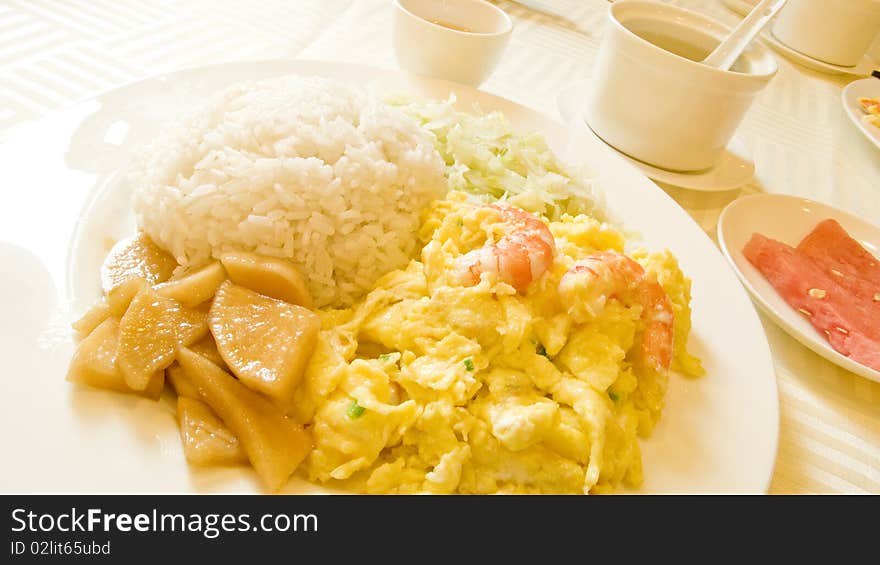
[
  {"x": 459, "y": 40},
  {"x": 834, "y": 31},
  {"x": 659, "y": 104}
]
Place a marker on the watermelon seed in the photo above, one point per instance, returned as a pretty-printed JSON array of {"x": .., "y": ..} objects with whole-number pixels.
[
  {"x": 817, "y": 293},
  {"x": 842, "y": 330},
  {"x": 836, "y": 273},
  {"x": 877, "y": 297},
  {"x": 805, "y": 312}
]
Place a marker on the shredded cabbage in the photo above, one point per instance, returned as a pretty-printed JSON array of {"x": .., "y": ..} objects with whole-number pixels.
[{"x": 485, "y": 156}]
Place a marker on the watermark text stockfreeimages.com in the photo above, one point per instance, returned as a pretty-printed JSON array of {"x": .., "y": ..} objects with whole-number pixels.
[{"x": 210, "y": 526}]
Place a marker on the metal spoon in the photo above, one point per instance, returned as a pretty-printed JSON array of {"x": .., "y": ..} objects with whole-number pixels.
[{"x": 729, "y": 50}]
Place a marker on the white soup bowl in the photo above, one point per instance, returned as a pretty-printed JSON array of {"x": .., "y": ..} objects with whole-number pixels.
[
  {"x": 834, "y": 31},
  {"x": 659, "y": 106},
  {"x": 466, "y": 49}
]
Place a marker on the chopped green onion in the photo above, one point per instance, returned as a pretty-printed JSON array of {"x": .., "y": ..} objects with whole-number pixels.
[
  {"x": 355, "y": 410},
  {"x": 541, "y": 351},
  {"x": 460, "y": 222},
  {"x": 613, "y": 396},
  {"x": 385, "y": 357},
  {"x": 469, "y": 364}
]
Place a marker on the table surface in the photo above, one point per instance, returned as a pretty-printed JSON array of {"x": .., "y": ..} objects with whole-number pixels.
[{"x": 56, "y": 52}]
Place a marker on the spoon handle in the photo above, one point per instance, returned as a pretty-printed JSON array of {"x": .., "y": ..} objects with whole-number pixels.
[{"x": 729, "y": 50}]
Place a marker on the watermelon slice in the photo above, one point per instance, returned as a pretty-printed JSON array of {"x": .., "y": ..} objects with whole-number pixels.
[
  {"x": 852, "y": 326},
  {"x": 829, "y": 246}
]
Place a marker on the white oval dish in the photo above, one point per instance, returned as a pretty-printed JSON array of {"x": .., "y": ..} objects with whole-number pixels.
[
  {"x": 868, "y": 87},
  {"x": 788, "y": 219},
  {"x": 734, "y": 169},
  {"x": 65, "y": 167}
]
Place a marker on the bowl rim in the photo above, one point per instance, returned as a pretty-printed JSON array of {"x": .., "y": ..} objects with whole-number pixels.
[
  {"x": 711, "y": 24},
  {"x": 508, "y": 22}
]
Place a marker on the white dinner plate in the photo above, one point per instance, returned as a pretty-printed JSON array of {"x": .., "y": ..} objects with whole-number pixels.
[
  {"x": 868, "y": 87},
  {"x": 788, "y": 219},
  {"x": 733, "y": 170},
  {"x": 864, "y": 67},
  {"x": 62, "y": 202}
]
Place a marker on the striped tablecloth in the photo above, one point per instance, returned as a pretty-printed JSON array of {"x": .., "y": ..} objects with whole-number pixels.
[{"x": 55, "y": 52}]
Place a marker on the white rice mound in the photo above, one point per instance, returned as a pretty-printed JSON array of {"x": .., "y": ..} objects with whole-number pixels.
[{"x": 308, "y": 169}]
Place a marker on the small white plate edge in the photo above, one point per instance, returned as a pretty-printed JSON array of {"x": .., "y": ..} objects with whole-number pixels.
[{"x": 854, "y": 113}]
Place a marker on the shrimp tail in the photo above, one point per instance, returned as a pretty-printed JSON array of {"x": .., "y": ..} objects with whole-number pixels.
[
  {"x": 586, "y": 288},
  {"x": 519, "y": 258},
  {"x": 657, "y": 342}
]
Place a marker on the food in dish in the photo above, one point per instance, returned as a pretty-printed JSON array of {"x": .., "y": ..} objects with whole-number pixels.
[
  {"x": 498, "y": 383},
  {"x": 509, "y": 340},
  {"x": 831, "y": 246},
  {"x": 832, "y": 281},
  {"x": 871, "y": 108},
  {"x": 310, "y": 170}
]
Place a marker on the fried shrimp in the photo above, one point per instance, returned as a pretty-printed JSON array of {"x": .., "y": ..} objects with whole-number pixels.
[
  {"x": 591, "y": 282},
  {"x": 518, "y": 258}
]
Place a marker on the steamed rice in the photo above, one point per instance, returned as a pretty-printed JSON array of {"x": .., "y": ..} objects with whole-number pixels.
[{"x": 307, "y": 169}]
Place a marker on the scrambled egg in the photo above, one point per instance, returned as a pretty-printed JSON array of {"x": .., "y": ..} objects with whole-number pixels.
[{"x": 430, "y": 386}]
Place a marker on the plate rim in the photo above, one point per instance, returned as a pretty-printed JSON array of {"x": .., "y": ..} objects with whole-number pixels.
[
  {"x": 851, "y": 112},
  {"x": 812, "y": 342}
]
